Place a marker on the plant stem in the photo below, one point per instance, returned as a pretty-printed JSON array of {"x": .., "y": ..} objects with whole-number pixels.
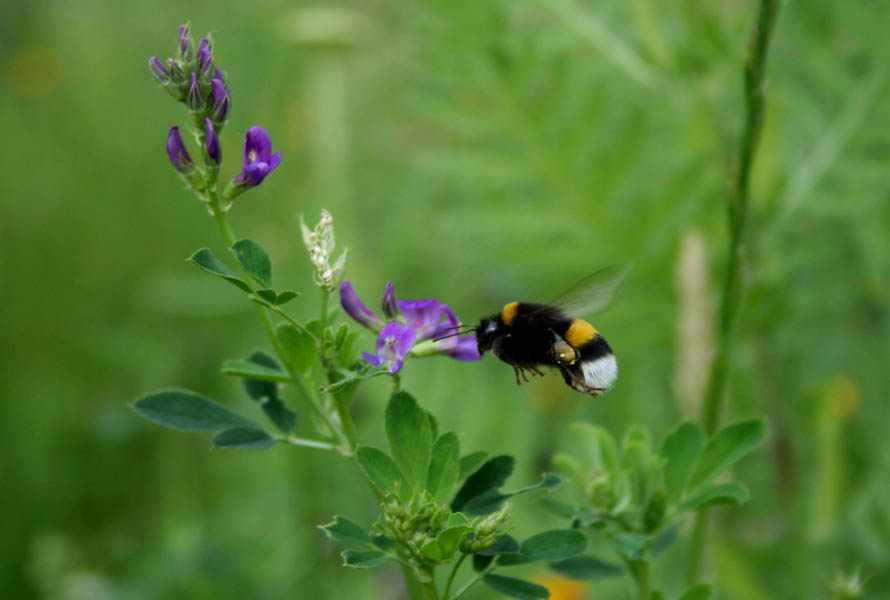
[
  {"x": 298, "y": 441},
  {"x": 221, "y": 216},
  {"x": 325, "y": 293},
  {"x": 451, "y": 577},
  {"x": 639, "y": 569},
  {"x": 473, "y": 581},
  {"x": 755, "y": 102},
  {"x": 416, "y": 589}
]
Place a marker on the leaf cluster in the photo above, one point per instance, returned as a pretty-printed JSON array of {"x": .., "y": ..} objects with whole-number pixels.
[{"x": 633, "y": 493}]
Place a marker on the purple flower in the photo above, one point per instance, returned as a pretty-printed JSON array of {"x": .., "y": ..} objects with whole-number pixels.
[
  {"x": 212, "y": 142},
  {"x": 159, "y": 70},
  {"x": 205, "y": 57},
  {"x": 220, "y": 96},
  {"x": 428, "y": 319},
  {"x": 393, "y": 344},
  {"x": 194, "y": 93},
  {"x": 356, "y": 308},
  {"x": 390, "y": 308},
  {"x": 258, "y": 158},
  {"x": 185, "y": 40},
  {"x": 177, "y": 152}
]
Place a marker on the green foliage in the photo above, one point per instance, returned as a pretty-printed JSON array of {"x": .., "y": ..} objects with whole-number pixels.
[
  {"x": 513, "y": 587},
  {"x": 205, "y": 260},
  {"x": 346, "y": 532},
  {"x": 260, "y": 372},
  {"x": 586, "y": 567},
  {"x": 410, "y": 438},
  {"x": 251, "y": 438},
  {"x": 439, "y": 160},
  {"x": 632, "y": 495},
  {"x": 255, "y": 261},
  {"x": 188, "y": 411}
]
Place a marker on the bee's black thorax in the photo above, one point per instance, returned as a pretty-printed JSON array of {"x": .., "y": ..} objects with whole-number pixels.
[{"x": 523, "y": 333}]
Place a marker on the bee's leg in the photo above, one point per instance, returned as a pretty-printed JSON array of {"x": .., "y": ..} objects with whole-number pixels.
[
  {"x": 537, "y": 372},
  {"x": 524, "y": 371},
  {"x": 517, "y": 371},
  {"x": 574, "y": 377}
]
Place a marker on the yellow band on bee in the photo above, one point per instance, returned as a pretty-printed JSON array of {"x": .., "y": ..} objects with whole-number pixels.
[
  {"x": 509, "y": 313},
  {"x": 579, "y": 333}
]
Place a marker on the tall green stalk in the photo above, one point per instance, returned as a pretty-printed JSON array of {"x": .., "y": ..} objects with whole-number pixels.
[{"x": 731, "y": 301}]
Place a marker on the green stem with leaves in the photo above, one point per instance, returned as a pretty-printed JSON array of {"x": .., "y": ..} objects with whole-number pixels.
[
  {"x": 639, "y": 570},
  {"x": 221, "y": 216},
  {"x": 731, "y": 301},
  {"x": 454, "y": 571}
]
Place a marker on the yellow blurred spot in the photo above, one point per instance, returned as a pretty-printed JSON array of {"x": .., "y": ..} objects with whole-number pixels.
[
  {"x": 33, "y": 72},
  {"x": 563, "y": 588},
  {"x": 844, "y": 397}
]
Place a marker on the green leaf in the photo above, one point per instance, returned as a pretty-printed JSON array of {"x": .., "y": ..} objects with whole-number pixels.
[
  {"x": 702, "y": 591},
  {"x": 188, "y": 411},
  {"x": 586, "y": 567},
  {"x": 266, "y": 393},
  {"x": 471, "y": 462},
  {"x": 490, "y": 476},
  {"x": 382, "y": 542},
  {"x": 252, "y": 370},
  {"x": 664, "y": 538},
  {"x": 346, "y": 532},
  {"x": 516, "y": 588},
  {"x": 367, "y": 371},
  {"x": 363, "y": 559},
  {"x": 299, "y": 347},
  {"x": 731, "y": 492},
  {"x": 449, "y": 540},
  {"x": 254, "y": 260},
  {"x": 444, "y": 466},
  {"x": 285, "y": 296},
  {"x": 434, "y": 424},
  {"x": 724, "y": 449},
  {"x": 205, "y": 260},
  {"x": 410, "y": 438},
  {"x": 505, "y": 545},
  {"x": 681, "y": 449},
  {"x": 431, "y": 551},
  {"x": 456, "y": 519},
  {"x": 267, "y": 294},
  {"x": 556, "y": 544},
  {"x": 490, "y": 501},
  {"x": 600, "y": 446},
  {"x": 378, "y": 467},
  {"x": 656, "y": 595},
  {"x": 277, "y": 298},
  {"x": 631, "y": 545},
  {"x": 561, "y": 509},
  {"x": 249, "y": 438}
]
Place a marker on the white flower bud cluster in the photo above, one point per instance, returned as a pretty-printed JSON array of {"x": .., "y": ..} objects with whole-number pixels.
[{"x": 321, "y": 245}]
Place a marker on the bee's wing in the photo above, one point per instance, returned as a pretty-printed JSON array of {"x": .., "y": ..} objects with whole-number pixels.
[{"x": 592, "y": 293}]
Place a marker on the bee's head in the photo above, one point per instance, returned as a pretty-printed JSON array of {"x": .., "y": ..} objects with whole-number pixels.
[{"x": 487, "y": 331}]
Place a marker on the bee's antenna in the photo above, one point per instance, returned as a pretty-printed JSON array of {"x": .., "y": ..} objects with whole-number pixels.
[{"x": 460, "y": 330}]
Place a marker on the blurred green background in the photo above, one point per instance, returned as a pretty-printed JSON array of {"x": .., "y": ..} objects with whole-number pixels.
[{"x": 476, "y": 151}]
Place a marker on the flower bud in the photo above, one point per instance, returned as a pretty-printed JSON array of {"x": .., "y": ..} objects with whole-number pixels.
[
  {"x": 194, "y": 95},
  {"x": 212, "y": 142},
  {"x": 220, "y": 96},
  {"x": 205, "y": 58},
  {"x": 186, "y": 43},
  {"x": 159, "y": 70},
  {"x": 177, "y": 152}
]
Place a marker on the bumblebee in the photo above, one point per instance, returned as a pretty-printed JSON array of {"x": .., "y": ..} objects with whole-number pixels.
[{"x": 527, "y": 335}]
